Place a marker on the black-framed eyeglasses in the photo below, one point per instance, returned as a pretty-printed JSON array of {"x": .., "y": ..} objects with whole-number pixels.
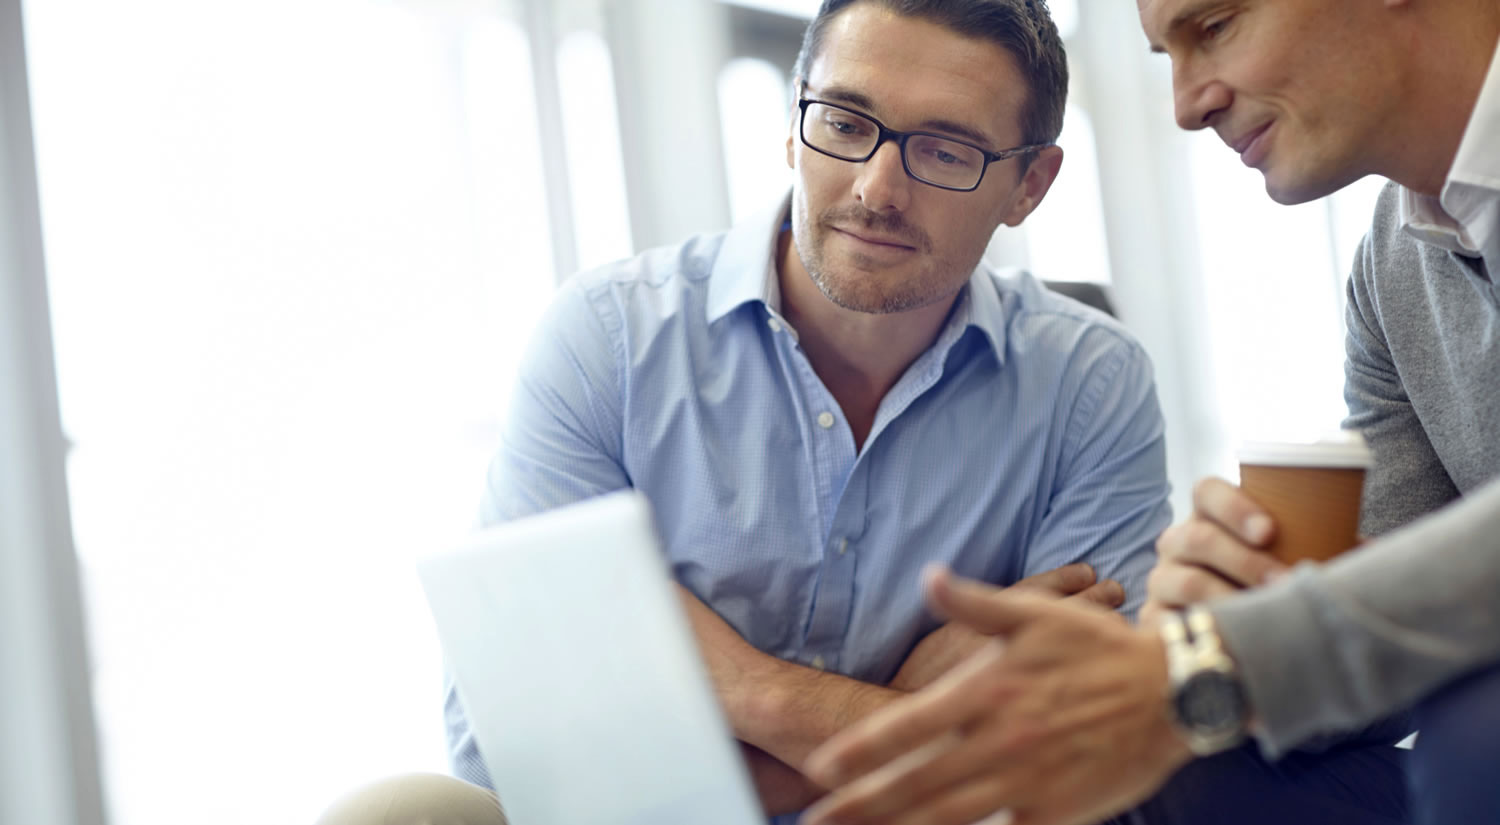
[{"x": 933, "y": 159}]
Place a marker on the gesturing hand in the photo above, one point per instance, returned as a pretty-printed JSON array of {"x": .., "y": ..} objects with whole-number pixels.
[
  {"x": 1061, "y": 720},
  {"x": 1214, "y": 552},
  {"x": 950, "y": 644}
]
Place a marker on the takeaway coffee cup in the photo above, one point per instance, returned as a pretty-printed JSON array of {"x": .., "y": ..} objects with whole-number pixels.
[{"x": 1311, "y": 490}]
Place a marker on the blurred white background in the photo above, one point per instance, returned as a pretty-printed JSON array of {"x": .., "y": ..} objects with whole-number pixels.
[{"x": 294, "y": 248}]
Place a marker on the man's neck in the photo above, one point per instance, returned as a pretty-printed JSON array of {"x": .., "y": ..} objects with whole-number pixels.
[
  {"x": 858, "y": 355},
  {"x": 1451, "y": 59}
]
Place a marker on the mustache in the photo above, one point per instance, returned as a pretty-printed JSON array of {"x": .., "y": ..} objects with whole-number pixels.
[{"x": 889, "y": 224}]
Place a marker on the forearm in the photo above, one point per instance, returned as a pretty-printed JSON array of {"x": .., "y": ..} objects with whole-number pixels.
[
  {"x": 1334, "y": 648},
  {"x": 782, "y": 708},
  {"x": 792, "y": 711}
]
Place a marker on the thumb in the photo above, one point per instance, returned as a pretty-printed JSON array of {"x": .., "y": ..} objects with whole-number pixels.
[{"x": 993, "y": 611}]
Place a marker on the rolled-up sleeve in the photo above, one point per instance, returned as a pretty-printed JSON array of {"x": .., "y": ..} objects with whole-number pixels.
[
  {"x": 561, "y": 444},
  {"x": 1110, "y": 500}
]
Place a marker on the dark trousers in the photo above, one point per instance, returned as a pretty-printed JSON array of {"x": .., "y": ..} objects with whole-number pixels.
[
  {"x": 1455, "y": 768},
  {"x": 1452, "y": 777}
]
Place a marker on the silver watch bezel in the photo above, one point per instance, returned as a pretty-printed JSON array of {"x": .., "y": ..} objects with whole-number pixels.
[{"x": 1196, "y": 662}]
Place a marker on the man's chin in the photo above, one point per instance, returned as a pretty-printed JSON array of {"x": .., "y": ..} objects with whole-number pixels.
[
  {"x": 1291, "y": 189},
  {"x": 871, "y": 300},
  {"x": 860, "y": 301}
]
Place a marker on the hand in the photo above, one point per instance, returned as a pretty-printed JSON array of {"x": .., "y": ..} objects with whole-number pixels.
[
  {"x": 1218, "y": 550},
  {"x": 950, "y": 644},
  {"x": 1062, "y": 723},
  {"x": 782, "y": 790}
]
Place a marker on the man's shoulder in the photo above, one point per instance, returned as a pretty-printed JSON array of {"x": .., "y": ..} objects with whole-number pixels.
[
  {"x": 1391, "y": 263},
  {"x": 1039, "y": 315},
  {"x": 1385, "y": 233},
  {"x": 686, "y": 264},
  {"x": 1387, "y": 245},
  {"x": 648, "y": 290}
]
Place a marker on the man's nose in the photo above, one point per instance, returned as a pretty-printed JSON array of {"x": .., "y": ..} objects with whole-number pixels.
[
  {"x": 1197, "y": 100},
  {"x": 882, "y": 182}
]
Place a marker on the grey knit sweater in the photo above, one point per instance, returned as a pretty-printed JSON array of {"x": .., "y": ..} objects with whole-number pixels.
[{"x": 1331, "y": 649}]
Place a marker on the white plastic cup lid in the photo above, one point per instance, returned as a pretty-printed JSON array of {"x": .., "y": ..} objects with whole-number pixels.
[{"x": 1347, "y": 449}]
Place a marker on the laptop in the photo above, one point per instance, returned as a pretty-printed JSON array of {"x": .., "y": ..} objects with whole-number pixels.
[{"x": 580, "y": 675}]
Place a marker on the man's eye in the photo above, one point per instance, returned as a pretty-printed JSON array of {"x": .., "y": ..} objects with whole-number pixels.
[
  {"x": 846, "y": 126},
  {"x": 944, "y": 158},
  {"x": 1214, "y": 29}
]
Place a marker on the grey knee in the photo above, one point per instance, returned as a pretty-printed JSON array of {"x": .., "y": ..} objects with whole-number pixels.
[{"x": 416, "y": 799}]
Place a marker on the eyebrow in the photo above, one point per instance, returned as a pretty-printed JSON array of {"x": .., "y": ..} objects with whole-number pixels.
[
  {"x": 1182, "y": 18},
  {"x": 837, "y": 95}
]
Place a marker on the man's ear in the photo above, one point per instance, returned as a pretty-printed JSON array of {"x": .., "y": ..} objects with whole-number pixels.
[
  {"x": 1034, "y": 184},
  {"x": 791, "y": 124}
]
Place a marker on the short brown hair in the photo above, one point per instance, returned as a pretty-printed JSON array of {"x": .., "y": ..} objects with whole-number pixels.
[{"x": 1024, "y": 28}]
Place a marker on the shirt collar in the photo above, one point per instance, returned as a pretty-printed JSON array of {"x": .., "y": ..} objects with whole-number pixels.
[
  {"x": 745, "y": 271},
  {"x": 983, "y": 310},
  {"x": 1465, "y": 217}
]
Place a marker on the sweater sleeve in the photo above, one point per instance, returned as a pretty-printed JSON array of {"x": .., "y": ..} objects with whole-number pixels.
[
  {"x": 1408, "y": 479},
  {"x": 1335, "y": 647}
]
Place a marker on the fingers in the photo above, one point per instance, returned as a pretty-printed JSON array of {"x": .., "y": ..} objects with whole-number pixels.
[
  {"x": 973, "y": 803},
  {"x": 977, "y": 801},
  {"x": 909, "y": 724},
  {"x": 1215, "y": 551},
  {"x": 900, "y": 785},
  {"x": 1175, "y": 586},
  {"x": 1076, "y": 581},
  {"x": 1206, "y": 544},
  {"x": 1108, "y": 593},
  {"x": 1224, "y": 504},
  {"x": 1064, "y": 581},
  {"x": 1151, "y": 611},
  {"x": 993, "y": 611}
]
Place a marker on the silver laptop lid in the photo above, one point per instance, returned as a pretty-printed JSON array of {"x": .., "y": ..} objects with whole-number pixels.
[{"x": 580, "y": 676}]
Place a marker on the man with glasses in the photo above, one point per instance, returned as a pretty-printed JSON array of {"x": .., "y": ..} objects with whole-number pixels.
[{"x": 821, "y": 401}]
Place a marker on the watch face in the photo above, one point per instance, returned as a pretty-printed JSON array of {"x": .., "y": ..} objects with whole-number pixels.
[{"x": 1211, "y": 701}]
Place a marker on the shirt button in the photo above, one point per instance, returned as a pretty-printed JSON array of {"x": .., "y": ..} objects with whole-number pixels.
[
  {"x": 825, "y": 420},
  {"x": 774, "y": 324},
  {"x": 818, "y": 662},
  {"x": 843, "y": 546}
]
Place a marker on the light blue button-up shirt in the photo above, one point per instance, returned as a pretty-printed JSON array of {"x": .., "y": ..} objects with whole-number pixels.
[{"x": 1026, "y": 438}]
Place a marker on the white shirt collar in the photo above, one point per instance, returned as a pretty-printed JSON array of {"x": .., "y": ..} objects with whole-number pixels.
[{"x": 1465, "y": 217}]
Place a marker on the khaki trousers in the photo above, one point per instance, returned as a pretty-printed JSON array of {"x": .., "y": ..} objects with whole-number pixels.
[{"x": 417, "y": 799}]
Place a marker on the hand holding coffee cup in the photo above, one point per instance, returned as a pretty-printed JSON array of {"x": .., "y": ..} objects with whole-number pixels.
[
  {"x": 1312, "y": 492},
  {"x": 1295, "y": 501}
]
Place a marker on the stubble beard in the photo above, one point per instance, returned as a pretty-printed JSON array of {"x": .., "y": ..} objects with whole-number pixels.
[{"x": 858, "y": 286}]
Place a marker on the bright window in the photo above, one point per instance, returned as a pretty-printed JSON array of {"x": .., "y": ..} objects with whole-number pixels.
[
  {"x": 294, "y": 249},
  {"x": 597, "y": 174},
  {"x": 1065, "y": 238},
  {"x": 1272, "y": 279},
  {"x": 754, "y": 112}
]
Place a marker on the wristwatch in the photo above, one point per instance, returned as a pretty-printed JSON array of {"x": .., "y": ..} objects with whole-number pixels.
[{"x": 1207, "y": 703}]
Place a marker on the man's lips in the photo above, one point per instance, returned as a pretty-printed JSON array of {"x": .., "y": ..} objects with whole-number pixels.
[
  {"x": 872, "y": 238},
  {"x": 1249, "y": 146}
]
